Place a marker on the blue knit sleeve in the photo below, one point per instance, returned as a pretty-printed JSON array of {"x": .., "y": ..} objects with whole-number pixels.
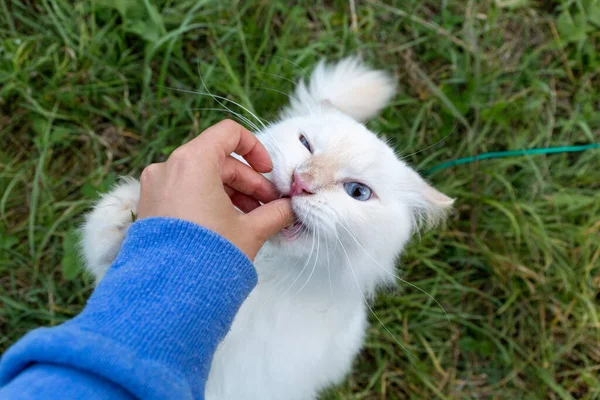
[{"x": 150, "y": 328}]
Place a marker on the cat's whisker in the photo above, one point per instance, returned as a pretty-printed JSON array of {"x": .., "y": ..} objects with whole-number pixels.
[
  {"x": 215, "y": 97},
  {"x": 226, "y": 99},
  {"x": 303, "y": 268},
  {"x": 274, "y": 147},
  {"x": 367, "y": 303},
  {"x": 278, "y": 76},
  {"x": 332, "y": 223},
  {"x": 294, "y": 64},
  {"x": 396, "y": 275},
  {"x": 274, "y": 90},
  {"x": 329, "y": 273},
  {"x": 301, "y": 236},
  {"x": 314, "y": 265},
  {"x": 433, "y": 145},
  {"x": 245, "y": 120}
]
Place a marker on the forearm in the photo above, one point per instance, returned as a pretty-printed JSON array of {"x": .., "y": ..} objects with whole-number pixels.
[{"x": 152, "y": 325}]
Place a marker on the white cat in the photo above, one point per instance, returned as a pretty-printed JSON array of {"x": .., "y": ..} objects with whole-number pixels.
[{"x": 356, "y": 205}]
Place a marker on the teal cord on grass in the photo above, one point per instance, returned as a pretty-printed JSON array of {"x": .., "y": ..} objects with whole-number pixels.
[{"x": 513, "y": 153}]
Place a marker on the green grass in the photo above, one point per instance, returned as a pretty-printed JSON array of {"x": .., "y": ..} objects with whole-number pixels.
[{"x": 84, "y": 97}]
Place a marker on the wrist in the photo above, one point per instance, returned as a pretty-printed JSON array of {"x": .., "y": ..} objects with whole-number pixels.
[{"x": 173, "y": 282}]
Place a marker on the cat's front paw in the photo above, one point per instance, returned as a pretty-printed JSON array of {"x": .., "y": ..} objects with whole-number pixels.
[{"x": 106, "y": 225}]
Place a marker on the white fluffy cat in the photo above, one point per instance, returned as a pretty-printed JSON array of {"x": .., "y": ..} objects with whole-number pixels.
[{"x": 356, "y": 205}]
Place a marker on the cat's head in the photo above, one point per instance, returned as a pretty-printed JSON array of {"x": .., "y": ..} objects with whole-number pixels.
[{"x": 348, "y": 188}]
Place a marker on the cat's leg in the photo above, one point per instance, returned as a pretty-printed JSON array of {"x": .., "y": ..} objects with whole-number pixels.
[{"x": 106, "y": 225}]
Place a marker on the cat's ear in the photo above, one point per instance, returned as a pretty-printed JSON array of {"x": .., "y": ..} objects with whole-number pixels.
[
  {"x": 438, "y": 205},
  {"x": 429, "y": 206},
  {"x": 349, "y": 86},
  {"x": 352, "y": 87}
]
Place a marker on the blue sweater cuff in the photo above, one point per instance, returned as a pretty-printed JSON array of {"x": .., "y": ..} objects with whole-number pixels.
[{"x": 153, "y": 323}]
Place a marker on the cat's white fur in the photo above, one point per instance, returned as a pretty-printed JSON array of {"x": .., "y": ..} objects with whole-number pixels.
[{"x": 301, "y": 327}]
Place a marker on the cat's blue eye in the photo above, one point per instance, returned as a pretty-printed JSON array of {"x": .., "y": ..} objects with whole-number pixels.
[
  {"x": 358, "y": 191},
  {"x": 305, "y": 143}
]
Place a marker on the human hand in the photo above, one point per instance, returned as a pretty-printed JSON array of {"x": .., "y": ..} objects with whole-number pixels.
[{"x": 201, "y": 182}]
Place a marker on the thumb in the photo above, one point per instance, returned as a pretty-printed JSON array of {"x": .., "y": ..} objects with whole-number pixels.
[{"x": 271, "y": 218}]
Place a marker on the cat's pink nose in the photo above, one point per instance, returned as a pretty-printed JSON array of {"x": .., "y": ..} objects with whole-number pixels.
[{"x": 299, "y": 185}]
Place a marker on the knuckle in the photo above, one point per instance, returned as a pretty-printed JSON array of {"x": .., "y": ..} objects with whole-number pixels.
[
  {"x": 179, "y": 156},
  {"x": 282, "y": 216},
  {"x": 228, "y": 124},
  {"x": 234, "y": 178},
  {"x": 149, "y": 173}
]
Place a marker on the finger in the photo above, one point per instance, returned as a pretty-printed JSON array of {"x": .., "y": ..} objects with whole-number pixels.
[
  {"x": 270, "y": 218},
  {"x": 241, "y": 200},
  {"x": 244, "y": 202},
  {"x": 244, "y": 179},
  {"x": 230, "y": 191},
  {"x": 227, "y": 137}
]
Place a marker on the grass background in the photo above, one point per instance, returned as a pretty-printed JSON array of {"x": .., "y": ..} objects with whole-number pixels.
[{"x": 83, "y": 99}]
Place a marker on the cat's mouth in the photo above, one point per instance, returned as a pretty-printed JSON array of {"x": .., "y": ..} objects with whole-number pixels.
[{"x": 294, "y": 230}]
